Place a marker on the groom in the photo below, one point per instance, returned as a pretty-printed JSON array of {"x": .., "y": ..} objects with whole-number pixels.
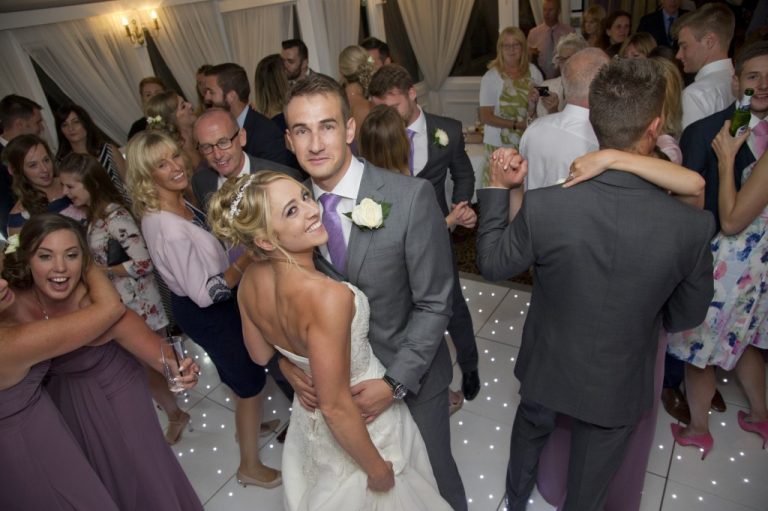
[{"x": 402, "y": 265}]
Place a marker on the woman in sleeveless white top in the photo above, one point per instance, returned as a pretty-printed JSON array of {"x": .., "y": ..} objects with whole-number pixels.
[{"x": 332, "y": 460}]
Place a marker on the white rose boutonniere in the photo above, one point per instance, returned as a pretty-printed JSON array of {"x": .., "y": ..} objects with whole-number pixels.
[
  {"x": 440, "y": 138},
  {"x": 12, "y": 244},
  {"x": 369, "y": 214}
]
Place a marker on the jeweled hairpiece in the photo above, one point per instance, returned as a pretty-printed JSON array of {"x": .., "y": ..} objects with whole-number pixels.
[{"x": 234, "y": 208}]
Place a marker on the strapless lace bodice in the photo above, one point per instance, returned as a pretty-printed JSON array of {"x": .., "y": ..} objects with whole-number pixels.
[{"x": 361, "y": 355}]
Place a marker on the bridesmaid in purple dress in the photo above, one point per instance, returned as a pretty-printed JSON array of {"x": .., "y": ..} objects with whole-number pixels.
[
  {"x": 44, "y": 467},
  {"x": 101, "y": 391}
]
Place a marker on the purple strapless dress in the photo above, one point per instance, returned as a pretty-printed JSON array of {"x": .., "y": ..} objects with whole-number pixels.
[
  {"x": 43, "y": 467},
  {"x": 102, "y": 394}
]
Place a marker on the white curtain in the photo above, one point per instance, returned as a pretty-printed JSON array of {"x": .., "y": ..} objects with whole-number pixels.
[
  {"x": 94, "y": 64},
  {"x": 17, "y": 76},
  {"x": 565, "y": 11},
  {"x": 190, "y": 36},
  {"x": 341, "y": 19},
  {"x": 255, "y": 33},
  {"x": 435, "y": 29}
]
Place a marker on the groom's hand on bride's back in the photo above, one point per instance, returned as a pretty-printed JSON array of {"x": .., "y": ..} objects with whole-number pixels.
[
  {"x": 301, "y": 383},
  {"x": 372, "y": 397}
]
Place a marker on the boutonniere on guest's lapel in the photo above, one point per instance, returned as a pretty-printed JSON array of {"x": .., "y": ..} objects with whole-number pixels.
[
  {"x": 369, "y": 214},
  {"x": 440, "y": 138}
]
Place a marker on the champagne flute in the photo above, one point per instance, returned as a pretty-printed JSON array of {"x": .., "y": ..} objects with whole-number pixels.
[{"x": 172, "y": 353}]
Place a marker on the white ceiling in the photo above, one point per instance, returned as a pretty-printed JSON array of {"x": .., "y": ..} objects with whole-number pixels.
[{"x": 29, "y": 5}]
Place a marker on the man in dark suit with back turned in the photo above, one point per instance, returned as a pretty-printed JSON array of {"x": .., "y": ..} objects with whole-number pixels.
[
  {"x": 227, "y": 87},
  {"x": 437, "y": 147},
  {"x": 614, "y": 258},
  {"x": 659, "y": 23}
]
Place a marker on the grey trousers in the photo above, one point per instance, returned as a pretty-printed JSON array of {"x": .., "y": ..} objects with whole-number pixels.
[
  {"x": 431, "y": 416},
  {"x": 596, "y": 453}
]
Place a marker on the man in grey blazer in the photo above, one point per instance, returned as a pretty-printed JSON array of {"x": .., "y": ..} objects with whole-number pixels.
[
  {"x": 221, "y": 142},
  {"x": 614, "y": 258},
  {"x": 437, "y": 148},
  {"x": 403, "y": 266}
]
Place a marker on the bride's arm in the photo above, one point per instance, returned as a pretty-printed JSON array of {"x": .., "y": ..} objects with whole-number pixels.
[
  {"x": 328, "y": 342},
  {"x": 662, "y": 173}
]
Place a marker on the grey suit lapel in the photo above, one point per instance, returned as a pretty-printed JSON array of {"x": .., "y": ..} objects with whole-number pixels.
[{"x": 360, "y": 239}]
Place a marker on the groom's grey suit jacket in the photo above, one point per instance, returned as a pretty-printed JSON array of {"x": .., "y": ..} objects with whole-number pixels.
[
  {"x": 612, "y": 257},
  {"x": 404, "y": 268}
]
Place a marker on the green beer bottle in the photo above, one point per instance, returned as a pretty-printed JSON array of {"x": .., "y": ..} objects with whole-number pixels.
[{"x": 742, "y": 115}]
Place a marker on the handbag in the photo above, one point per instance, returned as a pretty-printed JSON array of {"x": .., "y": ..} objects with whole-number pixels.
[{"x": 116, "y": 253}]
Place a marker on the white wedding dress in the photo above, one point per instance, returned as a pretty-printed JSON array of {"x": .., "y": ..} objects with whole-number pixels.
[{"x": 319, "y": 475}]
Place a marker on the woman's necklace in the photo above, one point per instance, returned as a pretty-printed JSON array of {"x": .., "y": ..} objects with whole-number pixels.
[{"x": 40, "y": 304}]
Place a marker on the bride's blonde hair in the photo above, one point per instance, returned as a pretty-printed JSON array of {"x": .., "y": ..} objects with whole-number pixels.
[{"x": 240, "y": 213}]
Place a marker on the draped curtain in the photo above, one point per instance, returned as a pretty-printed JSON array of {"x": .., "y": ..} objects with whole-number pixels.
[
  {"x": 435, "y": 29},
  {"x": 190, "y": 36},
  {"x": 341, "y": 20},
  {"x": 94, "y": 64},
  {"x": 17, "y": 76},
  {"x": 256, "y": 33}
]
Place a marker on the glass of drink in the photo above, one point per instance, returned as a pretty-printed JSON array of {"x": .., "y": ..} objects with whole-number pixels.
[{"x": 172, "y": 353}]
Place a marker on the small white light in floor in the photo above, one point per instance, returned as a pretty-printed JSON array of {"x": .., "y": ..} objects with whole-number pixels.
[
  {"x": 493, "y": 332},
  {"x": 495, "y": 380},
  {"x": 469, "y": 500},
  {"x": 493, "y": 294},
  {"x": 485, "y": 352},
  {"x": 732, "y": 458},
  {"x": 223, "y": 426},
  {"x": 746, "y": 480},
  {"x": 490, "y": 496},
  {"x": 488, "y": 398},
  {"x": 530, "y": 501},
  {"x": 192, "y": 450},
  {"x": 480, "y": 293},
  {"x": 485, "y": 384},
  {"x": 482, "y": 476},
  {"x": 461, "y": 423},
  {"x": 512, "y": 359},
  {"x": 215, "y": 449},
  {"x": 204, "y": 424},
  {"x": 722, "y": 424},
  {"x": 218, "y": 471},
  {"x": 493, "y": 359},
  {"x": 741, "y": 453},
  {"x": 466, "y": 299},
  {"x": 701, "y": 499},
  {"x": 269, "y": 398},
  {"x": 496, "y": 321},
  {"x": 465, "y": 442},
  {"x": 725, "y": 380},
  {"x": 226, "y": 399},
  {"x": 710, "y": 412},
  {"x": 479, "y": 311},
  {"x": 205, "y": 415},
  {"x": 498, "y": 428},
  {"x": 661, "y": 446},
  {"x": 290, "y": 408},
  {"x": 207, "y": 386},
  {"x": 522, "y": 312},
  {"x": 511, "y": 328},
  {"x": 181, "y": 454},
  {"x": 505, "y": 405},
  {"x": 230, "y": 494},
  {"x": 186, "y": 400},
  {"x": 271, "y": 446},
  {"x": 679, "y": 457},
  {"x": 464, "y": 288},
  {"x": 674, "y": 495},
  {"x": 490, "y": 447},
  {"x": 515, "y": 296}
]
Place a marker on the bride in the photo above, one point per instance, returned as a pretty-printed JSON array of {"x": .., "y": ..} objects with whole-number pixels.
[{"x": 331, "y": 459}]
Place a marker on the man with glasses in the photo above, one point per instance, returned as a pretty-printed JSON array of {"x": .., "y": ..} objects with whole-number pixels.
[{"x": 220, "y": 141}]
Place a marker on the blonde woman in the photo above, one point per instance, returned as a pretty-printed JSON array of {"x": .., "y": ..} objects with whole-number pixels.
[
  {"x": 356, "y": 69},
  {"x": 592, "y": 25},
  {"x": 507, "y": 94}
]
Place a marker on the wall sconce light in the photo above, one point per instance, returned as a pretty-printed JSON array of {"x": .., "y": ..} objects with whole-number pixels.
[{"x": 135, "y": 30}]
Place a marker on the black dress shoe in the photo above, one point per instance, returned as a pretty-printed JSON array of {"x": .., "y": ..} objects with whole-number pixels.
[
  {"x": 675, "y": 404},
  {"x": 718, "y": 403},
  {"x": 470, "y": 385}
]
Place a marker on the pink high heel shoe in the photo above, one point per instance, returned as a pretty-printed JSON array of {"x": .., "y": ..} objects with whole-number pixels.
[
  {"x": 703, "y": 442},
  {"x": 761, "y": 428}
]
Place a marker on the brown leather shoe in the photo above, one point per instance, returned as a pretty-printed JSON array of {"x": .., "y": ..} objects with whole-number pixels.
[
  {"x": 718, "y": 403},
  {"x": 675, "y": 404}
]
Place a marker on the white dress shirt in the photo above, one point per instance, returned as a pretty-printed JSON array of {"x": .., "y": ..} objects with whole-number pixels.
[
  {"x": 347, "y": 188},
  {"x": 709, "y": 93},
  {"x": 551, "y": 143},
  {"x": 420, "y": 142}
]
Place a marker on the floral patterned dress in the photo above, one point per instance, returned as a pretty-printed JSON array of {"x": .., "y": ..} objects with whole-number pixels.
[
  {"x": 737, "y": 315},
  {"x": 139, "y": 291}
]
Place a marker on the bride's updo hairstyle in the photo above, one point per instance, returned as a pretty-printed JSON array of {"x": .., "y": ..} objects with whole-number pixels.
[
  {"x": 16, "y": 269},
  {"x": 240, "y": 212},
  {"x": 356, "y": 66}
]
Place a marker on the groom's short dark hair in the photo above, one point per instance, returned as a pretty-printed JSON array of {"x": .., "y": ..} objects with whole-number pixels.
[
  {"x": 625, "y": 96},
  {"x": 320, "y": 84}
]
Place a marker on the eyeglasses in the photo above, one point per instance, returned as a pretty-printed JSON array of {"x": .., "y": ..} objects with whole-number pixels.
[
  {"x": 224, "y": 143},
  {"x": 513, "y": 46}
]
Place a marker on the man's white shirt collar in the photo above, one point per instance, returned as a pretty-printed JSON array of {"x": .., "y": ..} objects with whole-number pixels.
[
  {"x": 243, "y": 172},
  {"x": 241, "y": 117},
  {"x": 714, "y": 67}
]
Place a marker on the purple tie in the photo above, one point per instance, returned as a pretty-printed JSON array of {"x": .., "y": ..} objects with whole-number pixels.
[
  {"x": 411, "y": 134},
  {"x": 332, "y": 223},
  {"x": 760, "y": 134}
]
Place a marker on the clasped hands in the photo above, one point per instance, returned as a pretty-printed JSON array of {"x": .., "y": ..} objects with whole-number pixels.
[{"x": 372, "y": 397}]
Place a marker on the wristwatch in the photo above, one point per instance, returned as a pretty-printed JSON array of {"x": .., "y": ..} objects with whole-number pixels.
[{"x": 398, "y": 389}]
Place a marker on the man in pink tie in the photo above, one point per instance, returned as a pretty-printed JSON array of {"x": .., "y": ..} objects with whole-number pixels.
[
  {"x": 543, "y": 38},
  {"x": 751, "y": 72}
]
